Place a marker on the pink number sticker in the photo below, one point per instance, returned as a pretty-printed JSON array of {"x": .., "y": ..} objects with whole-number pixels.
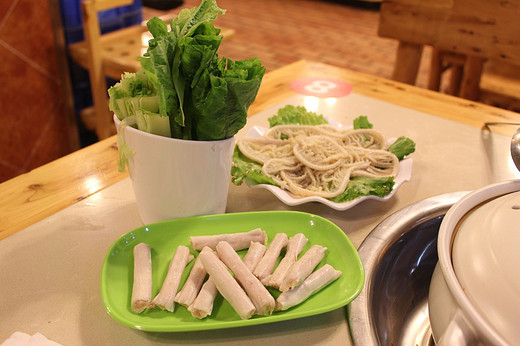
[{"x": 321, "y": 87}]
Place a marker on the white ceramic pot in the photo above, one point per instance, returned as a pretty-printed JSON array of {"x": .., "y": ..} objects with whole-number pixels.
[
  {"x": 474, "y": 296},
  {"x": 174, "y": 178}
]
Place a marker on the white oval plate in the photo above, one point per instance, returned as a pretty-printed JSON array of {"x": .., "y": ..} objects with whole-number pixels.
[{"x": 405, "y": 173}]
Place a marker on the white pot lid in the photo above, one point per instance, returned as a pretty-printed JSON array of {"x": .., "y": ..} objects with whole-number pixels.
[{"x": 486, "y": 261}]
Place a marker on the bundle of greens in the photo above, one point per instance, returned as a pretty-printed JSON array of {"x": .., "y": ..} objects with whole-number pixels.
[
  {"x": 251, "y": 171},
  {"x": 184, "y": 90}
]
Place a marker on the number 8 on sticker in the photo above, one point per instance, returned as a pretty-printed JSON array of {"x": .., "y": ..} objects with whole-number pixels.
[{"x": 321, "y": 87}]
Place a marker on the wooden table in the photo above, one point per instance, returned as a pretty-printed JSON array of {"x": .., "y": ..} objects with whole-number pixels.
[{"x": 59, "y": 219}]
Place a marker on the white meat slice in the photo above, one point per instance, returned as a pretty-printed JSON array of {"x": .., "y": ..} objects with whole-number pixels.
[
  {"x": 193, "y": 284},
  {"x": 254, "y": 254},
  {"x": 266, "y": 265},
  {"x": 314, "y": 282},
  {"x": 227, "y": 285},
  {"x": 202, "y": 306},
  {"x": 259, "y": 295},
  {"x": 294, "y": 247},
  {"x": 142, "y": 286},
  {"x": 303, "y": 267},
  {"x": 238, "y": 241},
  {"x": 166, "y": 297}
]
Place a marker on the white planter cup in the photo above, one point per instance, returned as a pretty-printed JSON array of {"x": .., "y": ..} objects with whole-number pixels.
[{"x": 175, "y": 178}]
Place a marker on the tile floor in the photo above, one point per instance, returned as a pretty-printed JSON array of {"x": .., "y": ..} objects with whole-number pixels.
[{"x": 341, "y": 33}]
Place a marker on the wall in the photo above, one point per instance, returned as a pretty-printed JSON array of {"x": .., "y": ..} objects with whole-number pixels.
[{"x": 33, "y": 109}]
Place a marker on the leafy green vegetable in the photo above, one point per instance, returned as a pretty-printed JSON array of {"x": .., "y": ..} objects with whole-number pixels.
[
  {"x": 217, "y": 117},
  {"x": 125, "y": 153},
  {"x": 363, "y": 186},
  {"x": 245, "y": 168},
  {"x": 158, "y": 67},
  {"x": 184, "y": 90},
  {"x": 296, "y": 115},
  {"x": 401, "y": 147},
  {"x": 362, "y": 122},
  {"x": 133, "y": 92},
  {"x": 204, "y": 96},
  {"x": 152, "y": 123}
]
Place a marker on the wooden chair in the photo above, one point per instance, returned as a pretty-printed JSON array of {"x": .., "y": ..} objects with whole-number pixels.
[
  {"x": 63, "y": 70},
  {"x": 104, "y": 126},
  {"x": 109, "y": 55},
  {"x": 464, "y": 34}
]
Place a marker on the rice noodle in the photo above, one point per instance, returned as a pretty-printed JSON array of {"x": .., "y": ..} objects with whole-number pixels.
[{"x": 319, "y": 160}]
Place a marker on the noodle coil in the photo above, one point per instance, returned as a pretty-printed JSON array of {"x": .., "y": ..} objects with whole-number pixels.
[{"x": 319, "y": 160}]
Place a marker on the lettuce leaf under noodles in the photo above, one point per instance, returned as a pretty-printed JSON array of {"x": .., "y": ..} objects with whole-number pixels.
[
  {"x": 363, "y": 186},
  {"x": 245, "y": 168},
  {"x": 296, "y": 115}
]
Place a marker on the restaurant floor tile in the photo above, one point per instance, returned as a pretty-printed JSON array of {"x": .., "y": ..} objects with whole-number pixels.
[{"x": 340, "y": 33}]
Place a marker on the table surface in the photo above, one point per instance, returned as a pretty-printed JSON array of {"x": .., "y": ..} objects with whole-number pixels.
[{"x": 59, "y": 219}]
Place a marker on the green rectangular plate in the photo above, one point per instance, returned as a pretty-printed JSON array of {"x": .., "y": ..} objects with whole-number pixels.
[{"x": 164, "y": 237}]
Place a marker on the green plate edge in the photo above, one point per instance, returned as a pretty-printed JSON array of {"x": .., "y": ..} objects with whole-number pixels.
[{"x": 164, "y": 237}]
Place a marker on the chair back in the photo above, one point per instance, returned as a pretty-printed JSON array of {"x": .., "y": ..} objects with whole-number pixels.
[
  {"x": 90, "y": 8},
  {"x": 476, "y": 30}
]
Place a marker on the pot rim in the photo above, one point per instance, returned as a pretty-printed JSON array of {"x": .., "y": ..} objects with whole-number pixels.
[
  {"x": 445, "y": 238},
  {"x": 382, "y": 237}
]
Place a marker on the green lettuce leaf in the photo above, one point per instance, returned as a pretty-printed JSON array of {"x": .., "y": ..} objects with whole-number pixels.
[
  {"x": 402, "y": 147},
  {"x": 205, "y": 97},
  {"x": 125, "y": 152},
  {"x": 157, "y": 63},
  {"x": 363, "y": 186},
  {"x": 195, "y": 56},
  {"x": 247, "y": 169},
  {"x": 296, "y": 115},
  {"x": 362, "y": 122},
  {"x": 188, "y": 19},
  {"x": 152, "y": 123},
  {"x": 133, "y": 91}
]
